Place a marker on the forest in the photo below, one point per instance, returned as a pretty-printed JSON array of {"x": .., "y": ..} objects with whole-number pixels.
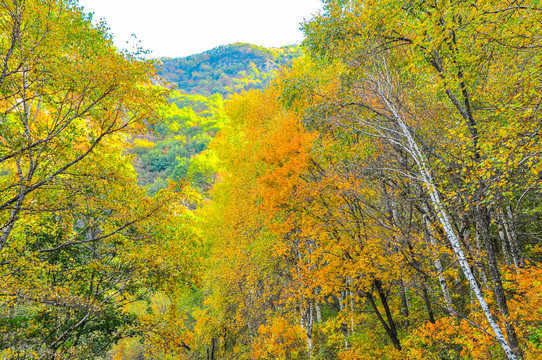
[
  {"x": 226, "y": 69},
  {"x": 374, "y": 194}
]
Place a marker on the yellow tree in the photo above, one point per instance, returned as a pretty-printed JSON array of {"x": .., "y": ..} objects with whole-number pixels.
[
  {"x": 463, "y": 62},
  {"x": 65, "y": 89},
  {"x": 69, "y": 201}
]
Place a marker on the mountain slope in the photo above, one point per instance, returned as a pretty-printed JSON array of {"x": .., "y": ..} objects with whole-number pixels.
[{"x": 226, "y": 69}]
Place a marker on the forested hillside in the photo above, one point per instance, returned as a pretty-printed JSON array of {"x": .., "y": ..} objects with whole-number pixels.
[
  {"x": 379, "y": 199},
  {"x": 176, "y": 149},
  {"x": 227, "y": 69}
]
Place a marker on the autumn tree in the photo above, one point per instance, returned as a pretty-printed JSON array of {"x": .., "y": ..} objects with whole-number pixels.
[
  {"x": 433, "y": 61},
  {"x": 74, "y": 223},
  {"x": 398, "y": 219}
]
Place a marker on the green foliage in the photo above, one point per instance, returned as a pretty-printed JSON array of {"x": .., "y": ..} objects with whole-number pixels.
[
  {"x": 76, "y": 232},
  {"x": 173, "y": 151},
  {"x": 227, "y": 69}
]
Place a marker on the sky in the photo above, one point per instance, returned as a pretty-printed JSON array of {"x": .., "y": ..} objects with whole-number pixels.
[{"x": 176, "y": 28}]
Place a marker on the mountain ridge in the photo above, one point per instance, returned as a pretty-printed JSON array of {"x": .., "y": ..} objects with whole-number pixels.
[{"x": 226, "y": 69}]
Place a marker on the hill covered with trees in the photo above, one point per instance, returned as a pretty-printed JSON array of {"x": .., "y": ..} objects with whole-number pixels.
[
  {"x": 195, "y": 112},
  {"x": 176, "y": 149},
  {"x": 227, "y": 69}
]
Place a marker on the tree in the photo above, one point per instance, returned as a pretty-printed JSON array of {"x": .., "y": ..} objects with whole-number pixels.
[
  {"x": 69, "y": 232},
  {"x": 438, "y": 47}
]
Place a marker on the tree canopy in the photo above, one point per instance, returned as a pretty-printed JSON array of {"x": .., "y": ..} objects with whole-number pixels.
[
  {"x": 379, "y": 199},
  {"x": 227, "y": 69}
]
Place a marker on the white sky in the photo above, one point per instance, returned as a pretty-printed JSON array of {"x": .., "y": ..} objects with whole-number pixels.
[{"x": 178, "y": 28}]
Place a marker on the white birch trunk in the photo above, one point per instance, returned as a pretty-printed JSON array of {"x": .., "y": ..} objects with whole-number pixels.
[
  {"x": 439, "y": 268},
  {"x": 307, "y": 319},
  {"x": 426, "y": 177}
]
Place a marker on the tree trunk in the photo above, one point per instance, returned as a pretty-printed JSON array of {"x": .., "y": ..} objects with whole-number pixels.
[
  {"x": 344, "y": 325},
  {"x": 427, "y": 302},
  {"x": 505, "y": 245},
  {"x": 424, "y": 170},
  {"x": 511, "y": 230},
  {"x": 438, "y": 265},
  {"x": 307, "y": 320},
  {"x": 392, "y": 334},
  {"x": 482, "y": 227},
  {"x": 404, "y": 303}
]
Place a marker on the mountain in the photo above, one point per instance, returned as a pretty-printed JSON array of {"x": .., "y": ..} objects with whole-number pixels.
[
  {"x": 176, "y": 150},
  {"x": 226, "y": 69}
]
